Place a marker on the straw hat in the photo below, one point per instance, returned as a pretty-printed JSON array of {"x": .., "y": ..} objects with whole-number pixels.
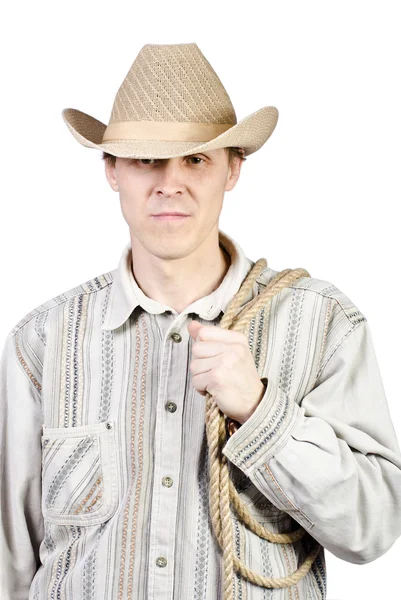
[{"x": 171, "y": 103}]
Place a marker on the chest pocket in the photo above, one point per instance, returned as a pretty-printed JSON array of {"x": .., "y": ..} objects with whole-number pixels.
[{"x": 79, "y": 474}]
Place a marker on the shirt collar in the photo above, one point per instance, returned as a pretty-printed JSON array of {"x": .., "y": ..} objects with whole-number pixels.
[{"x": 126, "y": 295}]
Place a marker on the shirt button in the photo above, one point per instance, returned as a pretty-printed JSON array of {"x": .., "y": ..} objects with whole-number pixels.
[
  {"x": 171, "y": 406},
  {"x": 167, "y": 481},
  {"x": 176, "y": 337},
  {"x": 232, "y": 426},
  {"x": 161, "y": 561}
]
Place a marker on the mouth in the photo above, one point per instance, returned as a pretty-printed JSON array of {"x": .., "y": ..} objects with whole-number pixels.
[{"x": 172, "y": 216}]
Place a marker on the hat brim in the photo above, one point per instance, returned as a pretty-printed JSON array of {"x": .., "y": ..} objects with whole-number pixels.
[{"x": 250, "y": 133}]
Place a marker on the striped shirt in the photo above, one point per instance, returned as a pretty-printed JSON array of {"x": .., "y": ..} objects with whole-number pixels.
[{"x": 104, "y": 461}]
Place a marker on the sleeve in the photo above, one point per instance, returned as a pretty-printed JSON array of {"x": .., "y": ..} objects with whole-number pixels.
[
  {"x": 333, "y": 461},
  {"x": 21, "y": 522}
]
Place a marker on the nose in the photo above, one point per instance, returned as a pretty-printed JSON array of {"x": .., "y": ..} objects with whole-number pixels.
[{"x": 170, "y": 181}]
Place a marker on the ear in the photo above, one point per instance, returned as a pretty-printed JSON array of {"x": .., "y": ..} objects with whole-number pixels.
[
  {"x": 110, "y": 172},
  {"x": 234, "y": 170}
]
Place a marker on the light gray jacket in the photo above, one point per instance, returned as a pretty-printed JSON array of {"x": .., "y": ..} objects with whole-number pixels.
[{"x": 104, "y": 464}]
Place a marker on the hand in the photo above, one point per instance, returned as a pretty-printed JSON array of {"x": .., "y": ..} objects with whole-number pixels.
[{"x": 222, "y": 365}]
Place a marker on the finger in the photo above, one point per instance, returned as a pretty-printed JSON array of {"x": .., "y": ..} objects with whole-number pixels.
[
  {"x": 208, "y": 349},
  {"x": 200, "y": 382},
  {"x": 202, "y": 365},
  {"x": 215, "y": 333}
]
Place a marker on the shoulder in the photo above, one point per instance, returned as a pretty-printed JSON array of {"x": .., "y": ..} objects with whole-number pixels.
[
  {"x": 91, "y": 286},
  {"x": 312, "y": 286},
  {"x": 26, "y": 341}
]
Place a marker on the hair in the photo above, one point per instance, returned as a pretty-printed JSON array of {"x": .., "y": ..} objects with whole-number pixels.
[{"x": 231, "y": 151}]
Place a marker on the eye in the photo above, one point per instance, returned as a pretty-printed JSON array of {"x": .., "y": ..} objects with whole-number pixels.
[
  {"x": 152, "y": 161},
  {"x": 145, "y": 159}
]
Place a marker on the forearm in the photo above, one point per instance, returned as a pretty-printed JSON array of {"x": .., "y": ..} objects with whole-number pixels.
[
  {"x": 349, "y": 500},
  {"x": 21, "y": 520}
]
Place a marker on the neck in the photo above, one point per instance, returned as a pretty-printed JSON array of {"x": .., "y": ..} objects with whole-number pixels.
[{"x": 181, "y": 281}]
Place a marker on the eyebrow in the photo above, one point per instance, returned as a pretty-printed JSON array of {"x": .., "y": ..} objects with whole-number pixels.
[{"x": 157, "y": 158}]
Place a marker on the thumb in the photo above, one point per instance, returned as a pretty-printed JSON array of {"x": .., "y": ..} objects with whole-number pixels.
[{"x": 193, "y": 328}]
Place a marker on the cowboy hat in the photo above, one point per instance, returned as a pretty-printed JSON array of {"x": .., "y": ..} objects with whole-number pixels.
[{"x": 171, "y": 103}]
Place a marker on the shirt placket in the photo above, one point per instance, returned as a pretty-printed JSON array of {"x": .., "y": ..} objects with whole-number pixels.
[{"x": 167, "y": 458}]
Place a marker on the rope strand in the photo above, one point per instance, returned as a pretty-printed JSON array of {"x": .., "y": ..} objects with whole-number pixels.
[{"x": 222, "y": 491}]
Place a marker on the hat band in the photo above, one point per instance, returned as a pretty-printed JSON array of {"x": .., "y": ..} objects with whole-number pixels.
[{"x": 176, "y": 131}]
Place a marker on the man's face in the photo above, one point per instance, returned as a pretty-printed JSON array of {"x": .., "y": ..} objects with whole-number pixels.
[{"x": 193, "y": 185}]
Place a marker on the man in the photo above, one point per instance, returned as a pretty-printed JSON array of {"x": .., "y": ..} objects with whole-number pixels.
[{"x": 104, "y": 471}]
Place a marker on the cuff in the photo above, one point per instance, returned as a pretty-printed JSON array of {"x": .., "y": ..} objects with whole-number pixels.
[{"x": 266, "y": 430}]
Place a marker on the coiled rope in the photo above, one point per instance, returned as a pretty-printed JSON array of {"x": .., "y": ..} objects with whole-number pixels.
[{"x": 222, "y": 489}]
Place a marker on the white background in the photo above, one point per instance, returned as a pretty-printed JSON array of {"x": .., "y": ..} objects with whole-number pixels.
[{"x": 323, "y": 193}]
